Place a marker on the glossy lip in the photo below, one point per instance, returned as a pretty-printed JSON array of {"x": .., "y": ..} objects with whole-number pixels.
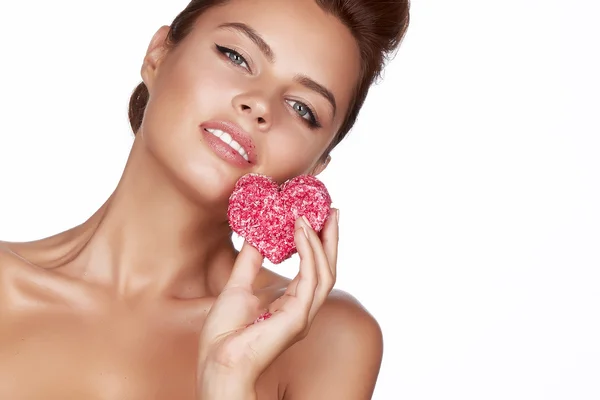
[{"x": 237, "y": 134}]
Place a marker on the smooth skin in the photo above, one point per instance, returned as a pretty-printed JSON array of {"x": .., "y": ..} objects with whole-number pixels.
[
  {"x": 148, "y": 298},
  {"x": 239, "y": 353}
]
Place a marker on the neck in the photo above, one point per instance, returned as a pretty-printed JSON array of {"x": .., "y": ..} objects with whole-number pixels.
[{"x": 150, "y": 237}]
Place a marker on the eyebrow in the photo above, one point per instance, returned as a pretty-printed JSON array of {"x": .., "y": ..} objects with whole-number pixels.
[
  {"x": 253, "y": 36},
  {"x": 264, "y": 47}
]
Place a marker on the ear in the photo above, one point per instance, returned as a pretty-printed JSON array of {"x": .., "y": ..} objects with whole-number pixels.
[
  {"x": 154, "y": 55},
  {"x": 320, "y": 167}
]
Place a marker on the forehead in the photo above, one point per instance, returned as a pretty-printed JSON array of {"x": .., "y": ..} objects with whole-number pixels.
[{"x": 304, "y": 39}]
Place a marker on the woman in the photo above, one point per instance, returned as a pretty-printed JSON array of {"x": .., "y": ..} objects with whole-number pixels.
[{"x": 149, "y": 299}]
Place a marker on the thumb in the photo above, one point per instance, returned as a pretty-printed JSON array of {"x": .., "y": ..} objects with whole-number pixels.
[
  {"x": 205, "y": 305},
  {"x": 245, "y": 268}
]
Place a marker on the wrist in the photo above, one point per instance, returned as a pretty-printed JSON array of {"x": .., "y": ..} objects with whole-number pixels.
[{"x": 216, "y": 384}]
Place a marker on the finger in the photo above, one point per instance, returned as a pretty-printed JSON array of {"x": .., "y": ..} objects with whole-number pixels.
[
  {"x": 245, "y": 268},
  {"x": 268, "y": 338},
  {"x": 204, "y": 304},
  {"x": 325, "y": 276},
  {"x": 330, "y": 239},
  {"x": 313, "y": 283},
  {"x": 291, "y": 288},
  {"x": 308, "y": 278}
]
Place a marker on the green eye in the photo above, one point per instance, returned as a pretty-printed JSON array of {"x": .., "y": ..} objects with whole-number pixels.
[
  {"x": 236, "y": 58},
  {"x": 233, "y": 56},
  {"x": 305, "y": 112},
  {"x": 301, "y": 108}
]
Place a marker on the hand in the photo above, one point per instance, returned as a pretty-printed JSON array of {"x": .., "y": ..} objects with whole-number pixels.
[{"x": 232, "y": 344}]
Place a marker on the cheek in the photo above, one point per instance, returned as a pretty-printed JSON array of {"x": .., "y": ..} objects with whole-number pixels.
[
  {"x": 186, "y": 94},
  {"x": 211, "y": 83},
  {"x": 290, "y": 153}
]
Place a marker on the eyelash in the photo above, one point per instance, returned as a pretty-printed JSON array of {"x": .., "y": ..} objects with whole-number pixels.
[{"x": 312, "y": 123}]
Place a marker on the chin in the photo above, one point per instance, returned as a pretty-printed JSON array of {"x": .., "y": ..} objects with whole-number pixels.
[
  {"x": 205, "y": 179},
  {"x": 192, "y": 168}
]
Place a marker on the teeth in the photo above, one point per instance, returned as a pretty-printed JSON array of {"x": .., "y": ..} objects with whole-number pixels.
[{"x": 226, "y": 138}]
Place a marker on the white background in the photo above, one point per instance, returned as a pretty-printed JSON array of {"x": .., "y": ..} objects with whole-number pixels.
[{"x": 474, "y": 237}]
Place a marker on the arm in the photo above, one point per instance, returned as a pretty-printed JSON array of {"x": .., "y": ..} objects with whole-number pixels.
[
  {"x": 341, "y": 357},
  {"x": 234, "y": 342}
]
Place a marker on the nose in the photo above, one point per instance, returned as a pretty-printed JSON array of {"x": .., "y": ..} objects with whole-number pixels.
[{"x": 254, "y": 107}]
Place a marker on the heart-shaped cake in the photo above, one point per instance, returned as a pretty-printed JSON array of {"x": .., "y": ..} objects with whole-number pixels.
[{"x": 264, "y": 213}]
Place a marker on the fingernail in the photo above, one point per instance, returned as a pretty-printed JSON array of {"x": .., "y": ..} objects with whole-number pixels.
[
  {"x": 337, "y": 215},
  {"x": 305, "y": 221}
]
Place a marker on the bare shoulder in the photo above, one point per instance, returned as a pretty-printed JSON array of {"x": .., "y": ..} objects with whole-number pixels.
[
  {"x": 13, "y": 265},
  {"x": 10, "y": 267},
  {"x": 7, "y": 257},
  {"x": 10, "y": 262},
  {"x": 342, "y": 316},
  {"x": 340, "y": 311},
  {"x": 340, "y": 357}
]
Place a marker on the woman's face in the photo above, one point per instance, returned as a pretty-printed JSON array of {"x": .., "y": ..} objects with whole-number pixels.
[{"x": 281, "y": 71}]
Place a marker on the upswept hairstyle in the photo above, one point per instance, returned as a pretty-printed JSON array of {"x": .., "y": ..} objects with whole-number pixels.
[{"x": 377, "y": 25}]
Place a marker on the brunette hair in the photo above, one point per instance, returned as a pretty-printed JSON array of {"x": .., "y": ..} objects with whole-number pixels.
[{"x": 377, "y": 25}]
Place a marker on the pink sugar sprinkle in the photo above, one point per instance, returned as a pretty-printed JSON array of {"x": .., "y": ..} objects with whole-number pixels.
[
  {"x": 263, "y": 317},
  {"x": 264, "y": 213}
]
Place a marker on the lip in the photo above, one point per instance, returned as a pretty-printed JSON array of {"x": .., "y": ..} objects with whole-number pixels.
[{"x": 237, "y": 134}]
